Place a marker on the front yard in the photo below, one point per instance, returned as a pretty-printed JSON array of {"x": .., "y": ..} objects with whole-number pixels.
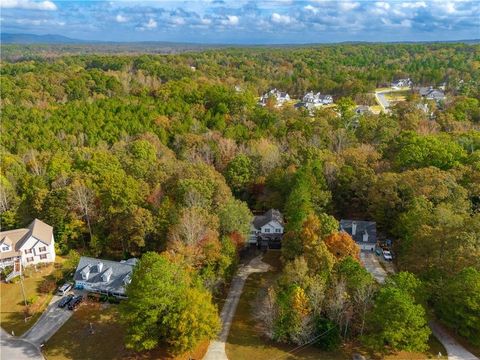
[
  {"x": 246, "y": 340},
  {"x": 94, "y": 332},
  {"x": 12, "y": 309}
]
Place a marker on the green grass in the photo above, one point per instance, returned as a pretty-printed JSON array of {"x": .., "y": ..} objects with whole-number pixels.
[
  {"x": 12, "y": 305},
  {"x": 246, "y": 340},
  {"x": 74, "y": 340}
]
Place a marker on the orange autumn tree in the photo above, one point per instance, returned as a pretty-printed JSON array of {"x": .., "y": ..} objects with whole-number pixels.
[{"x": 341, "y": 245}]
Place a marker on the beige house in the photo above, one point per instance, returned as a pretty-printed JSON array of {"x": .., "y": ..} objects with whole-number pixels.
[{"x": 32, "y": 245}]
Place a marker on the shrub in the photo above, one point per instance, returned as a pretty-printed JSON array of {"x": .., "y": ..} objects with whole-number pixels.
[{"x": 47, "y": 286}]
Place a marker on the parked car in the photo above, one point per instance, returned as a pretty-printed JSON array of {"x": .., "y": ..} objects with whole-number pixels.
[
  {"x": 64, "y": 289},
  {"x": 75, "y": 302},
  {"x": 387, "y": 255},
  {"x": 64, "y": 301},
  {"x": 378, "y": 252}
]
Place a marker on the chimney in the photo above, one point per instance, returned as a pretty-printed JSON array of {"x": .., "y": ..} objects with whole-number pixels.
[
  {"x": 354, "y": 228},
  {"x": 99, "y": 266},
  {"x": 365, "y": 236},
  {"x": 86, "y": 272}
]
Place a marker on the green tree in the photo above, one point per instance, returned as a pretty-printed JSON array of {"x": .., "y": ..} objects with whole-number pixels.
[{"x": 166, "y": 306}]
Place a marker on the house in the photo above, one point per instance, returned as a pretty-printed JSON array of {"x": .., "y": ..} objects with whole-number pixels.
[
  {"x": 362, "y": 109},
  {"x": 401, "y": 83},
  {"x": 267, "y": 230},
  {"x": 430, "y": 93},
  {"x": 363, "y": 232},
  {"x": 280, "y": 96},
  {"x": 317, "y": 99},
  {"x": 104, "y": 276},
  {"x": 30, "y": 246}
]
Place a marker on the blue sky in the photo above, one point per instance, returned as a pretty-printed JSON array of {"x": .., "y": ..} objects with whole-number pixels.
[{"x": 246, "y": 22}]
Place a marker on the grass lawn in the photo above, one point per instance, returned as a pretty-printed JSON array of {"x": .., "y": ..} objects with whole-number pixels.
[
  {"x": 75, "y": 341},
  {"x": 246, "y": 340},
  {"x": 12, "y": 304}
]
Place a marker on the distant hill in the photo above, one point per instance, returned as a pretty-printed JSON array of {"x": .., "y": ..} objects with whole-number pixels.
[{"x": 7, "y": 38}]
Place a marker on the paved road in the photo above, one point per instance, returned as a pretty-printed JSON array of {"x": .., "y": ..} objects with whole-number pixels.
[
  {"x": 382, "y": 100},
  {"x": 455, "y": 350},
  {"x": 48, "y": 324},
  {"x": 216, "y": 350},
  {"x": 13, "y": 348}
]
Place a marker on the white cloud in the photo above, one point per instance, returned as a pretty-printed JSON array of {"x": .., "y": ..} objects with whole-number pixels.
[
  {"x": 348, "y": 6},
  {"x": 206, "y": 21},
  {"x": 311, "y": 8},
  {"x": 281, "y": 19},
  {"x": 231, "y": 20},
  {"x": 28, "y": 5},
  {"x": 120, "y": 18},
  {"x": 414, "y": 5},
  {"x": 151, "y": 24},
  {"x": 178, "y": 21},
  {"x": 382, "y": 5}
]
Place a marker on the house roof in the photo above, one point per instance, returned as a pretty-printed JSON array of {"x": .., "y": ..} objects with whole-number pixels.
[
  {"x": 17, "y": 237},
  {"x": 270, "y": 215},
  {"x": 118, "y": 273},
  {"x": 361, "y": 227},
  {"x": 41, "y": 231}
]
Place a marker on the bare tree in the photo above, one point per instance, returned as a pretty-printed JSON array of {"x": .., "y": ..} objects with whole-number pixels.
[
  {"x": 31, "y": 160},
  {"x": 363, "y": 297},
  {"x": 82, "y": 200}
]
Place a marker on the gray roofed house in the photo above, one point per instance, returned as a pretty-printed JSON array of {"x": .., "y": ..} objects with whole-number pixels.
[
  {"x": 267, "y": 228},
  {"x": 280, "y": 96},
  {"x": 363, "y": 232},
  {"x": 431, "y": 94},
  {"x": 104, "y": 276}
]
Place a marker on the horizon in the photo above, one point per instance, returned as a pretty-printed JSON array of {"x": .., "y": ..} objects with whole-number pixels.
[{"x": 218, "y": 22}]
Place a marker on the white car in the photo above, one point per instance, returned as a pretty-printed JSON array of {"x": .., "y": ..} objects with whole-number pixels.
[
  {"x": 387, "y": 255},
  {"x": 65, "y": 288}
]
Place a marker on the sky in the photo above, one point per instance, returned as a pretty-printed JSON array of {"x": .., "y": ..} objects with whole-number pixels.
[{"x": 245, "y": 21}]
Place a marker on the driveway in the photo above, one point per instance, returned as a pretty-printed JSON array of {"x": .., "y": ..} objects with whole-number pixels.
[
  {"x": 13, "y": 348},
  {"x": 372, "y": 264},
  {"x": 216, "y": 350},
  {"x": 382, "y": 100},
  {"x": 455, "y": 351},
  {"x": 48, "y": 324}
]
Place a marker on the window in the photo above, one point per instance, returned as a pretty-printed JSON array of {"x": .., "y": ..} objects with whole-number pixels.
[
  {"x": 5, "y": 248},
  {"x": 278, "y": 230},
  {"x": 42, "y": 249},
  {"x": 267, "y": 230},
  {"x": 43, "y": 256},
  {"x": 30, "y": 259},
  {"x": 28, "y": 251}
]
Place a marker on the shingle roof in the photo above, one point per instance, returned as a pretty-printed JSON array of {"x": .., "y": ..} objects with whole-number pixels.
[
  {"x": 37, "y": 228},
  {"x": 118, "y": 271},
  {"x": 41, "y": 231},
  {"x": 361, "y": 227},
  {"x": 272, "y": 214}
]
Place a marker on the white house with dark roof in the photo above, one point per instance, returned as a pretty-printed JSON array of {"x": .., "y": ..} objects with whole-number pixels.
[
  {"x": 280, "y": 96},
  {"x": 363, "y": 232},
  {"x": 267, "y": 228},
  {"x": 401, "y": 83},
  {"x": 29, "y": 246},
  {"x": 104, "y": 276},
  {"x": 431, "y": 93}
]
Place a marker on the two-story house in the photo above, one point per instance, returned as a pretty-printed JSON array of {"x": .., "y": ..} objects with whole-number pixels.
[
  {"x": 280, "y": 97},
  {"x": 363, "y": 232},
  {"x": 32, "y": 245},
  {"x": 267, "y": 230}
]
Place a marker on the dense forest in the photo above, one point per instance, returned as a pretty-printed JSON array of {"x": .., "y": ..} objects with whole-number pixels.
[{"x": 169, "y": 155}]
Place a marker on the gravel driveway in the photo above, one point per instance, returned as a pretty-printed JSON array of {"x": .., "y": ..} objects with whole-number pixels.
[
  {"x": 48, "y": 324},
  {"x": 372, "y": 264},
  {"x": 216, "y": 350}
]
